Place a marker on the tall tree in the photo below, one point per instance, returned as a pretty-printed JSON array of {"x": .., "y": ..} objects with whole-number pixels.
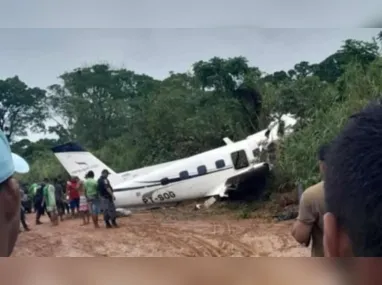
[
  {"x": 97, "y": 101},
  {"x": 21, "y": 108},
  {"x": 223, "y": 75},
  {"x": 303, "y": 69},
  {"x": 232, "y": 77},
  {"x": 331, "y": 68}
]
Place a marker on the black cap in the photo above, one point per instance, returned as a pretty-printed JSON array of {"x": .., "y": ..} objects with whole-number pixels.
[{"x": 105, "y": 171}]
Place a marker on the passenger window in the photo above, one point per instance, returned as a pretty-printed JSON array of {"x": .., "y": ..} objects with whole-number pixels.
[
  {"x": 220, "y": 163},
  {"x": 239, "y": 159},
  {"x": 184, "y": 174},
  {"x": 202, "y": 170}
]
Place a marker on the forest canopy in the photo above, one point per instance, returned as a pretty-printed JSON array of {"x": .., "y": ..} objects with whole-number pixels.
[{"x": 132, "y": 120}]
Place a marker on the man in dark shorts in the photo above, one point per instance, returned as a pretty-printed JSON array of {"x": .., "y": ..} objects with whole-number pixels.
[
  {"x": 107, "y": 200},
  {"x": 38, "y": 202}
]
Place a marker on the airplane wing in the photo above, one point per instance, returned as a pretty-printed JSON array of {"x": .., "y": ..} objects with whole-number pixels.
[
  {"x": 221, "y": 190},
  {"x": 227, "y": 141}
]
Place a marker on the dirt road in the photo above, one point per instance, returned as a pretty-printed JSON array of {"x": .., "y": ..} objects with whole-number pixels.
[{"x": 153, "y": 234}]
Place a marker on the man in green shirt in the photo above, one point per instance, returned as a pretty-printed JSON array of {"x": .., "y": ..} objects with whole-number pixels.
[
  {"x": 33, "y": 189},
  {"x": 92, "y": 195},
  {"x": 50, "y": 201}
]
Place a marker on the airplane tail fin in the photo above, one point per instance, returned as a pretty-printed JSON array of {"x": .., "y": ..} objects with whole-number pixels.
[{"x": 77, "y": 161}]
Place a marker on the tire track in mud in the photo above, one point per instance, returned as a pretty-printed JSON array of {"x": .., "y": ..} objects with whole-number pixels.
[
  {"x": 151, "y": 236},
  {"x": 196, "y": 243},
  {"x": 227, "y": 231},
  {"x": 278, "y": 241},
  {"x": 192, "y": 245},
  {"x": 39, "y": 245},
  {"x": 199, "y": 241},
  {"x": 229, "y": 239},
  {"x": 90, "y": 248}
]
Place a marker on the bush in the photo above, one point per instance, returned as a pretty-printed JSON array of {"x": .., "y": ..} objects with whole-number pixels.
[{"x": 298, "y": 155}]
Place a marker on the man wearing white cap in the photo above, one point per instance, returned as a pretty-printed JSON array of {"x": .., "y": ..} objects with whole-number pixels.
[{"x": 9, "y": 196}]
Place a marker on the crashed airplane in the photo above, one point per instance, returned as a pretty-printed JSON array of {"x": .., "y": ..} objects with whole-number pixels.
[{"x": 230, "y": 171}]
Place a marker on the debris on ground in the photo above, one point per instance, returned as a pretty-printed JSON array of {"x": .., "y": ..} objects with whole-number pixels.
[{"x": 123, "y": 212}]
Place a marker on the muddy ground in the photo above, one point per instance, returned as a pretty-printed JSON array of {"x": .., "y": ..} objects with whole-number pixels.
[{"x": 168, "y": 232}]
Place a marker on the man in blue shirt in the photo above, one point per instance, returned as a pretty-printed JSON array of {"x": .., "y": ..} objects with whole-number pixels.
[{"x": 9, "y": 196}]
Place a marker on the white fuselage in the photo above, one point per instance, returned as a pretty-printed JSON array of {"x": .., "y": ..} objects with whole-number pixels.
[
  {"x": 190, "y": 178},
  {"x": 202, "y": 175}
]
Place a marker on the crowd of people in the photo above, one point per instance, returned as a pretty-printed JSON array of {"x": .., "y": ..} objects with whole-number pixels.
[{"x": 74, "y": 198}]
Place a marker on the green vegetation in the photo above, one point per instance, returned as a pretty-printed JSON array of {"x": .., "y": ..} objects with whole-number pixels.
[{"x": 132, "y": 120}]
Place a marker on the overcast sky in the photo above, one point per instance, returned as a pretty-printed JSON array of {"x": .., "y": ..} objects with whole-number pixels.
[
  {"x": 39, "y": 56},
  {"x": 186, "y": 13},
  {"x": 38, "y": 53}
]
